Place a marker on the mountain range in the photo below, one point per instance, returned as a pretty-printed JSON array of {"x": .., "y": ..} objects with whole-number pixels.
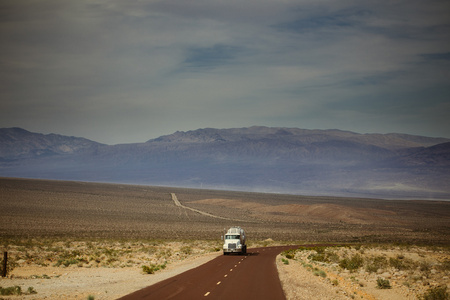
[{"x": 263, "y": 159}]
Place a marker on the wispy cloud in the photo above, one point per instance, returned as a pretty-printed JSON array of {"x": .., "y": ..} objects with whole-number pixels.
[
  {"x": 123, "y": 71},
  {"x": 436, "y": 56},
  {"x": 210, "y": 57}
]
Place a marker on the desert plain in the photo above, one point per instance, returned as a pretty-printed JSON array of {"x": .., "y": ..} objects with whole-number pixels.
[{"x": 55, "y": 231}]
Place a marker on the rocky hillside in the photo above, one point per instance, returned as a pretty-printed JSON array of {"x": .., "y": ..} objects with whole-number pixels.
[{"x": 286, "y": 160}]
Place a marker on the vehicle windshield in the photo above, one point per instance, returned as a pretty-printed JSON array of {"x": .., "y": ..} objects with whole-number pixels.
[{"x": 232, "y": 237}]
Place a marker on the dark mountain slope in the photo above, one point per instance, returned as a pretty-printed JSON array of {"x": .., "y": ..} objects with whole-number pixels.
[
  {"x": 437, "y": 155},
  {"x": 17, "y": 143},
  {"x": 288, "y": 160}
]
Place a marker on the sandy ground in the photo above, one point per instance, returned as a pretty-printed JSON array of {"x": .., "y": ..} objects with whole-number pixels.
[
  {"x": 101, "y": 283},
  {"x": 40, "y": 208},
  {"x": 105, "y": 233},
  {"x": 303, "y": 278}
]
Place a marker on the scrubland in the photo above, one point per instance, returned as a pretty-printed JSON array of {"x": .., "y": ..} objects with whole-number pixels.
[
  {"x": 103, "y": 269},
  {"x": 369, "y": 271},
  {"x": 68, "y": 239}
]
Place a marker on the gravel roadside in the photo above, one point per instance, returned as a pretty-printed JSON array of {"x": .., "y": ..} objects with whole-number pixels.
[{"x": 101, "y": 283}]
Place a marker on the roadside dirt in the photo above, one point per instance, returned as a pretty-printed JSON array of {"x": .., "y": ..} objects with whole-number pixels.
[
  {"x": 75, "y": 282},
  {"x": 309, "y": 273},
  {"x": 385, "y": 272}
]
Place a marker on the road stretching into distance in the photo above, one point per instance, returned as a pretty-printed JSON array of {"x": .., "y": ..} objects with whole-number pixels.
[
  {"x": 250, "y": 276},
  {"x": 178, "y": 203}
]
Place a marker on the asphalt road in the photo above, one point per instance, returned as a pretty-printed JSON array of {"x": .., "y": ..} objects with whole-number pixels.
[{"x": 250, "y": 276}]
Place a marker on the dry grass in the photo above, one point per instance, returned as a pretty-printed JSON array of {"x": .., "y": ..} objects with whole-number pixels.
[
  {"x": 107, "y": 269},
  {"x": 49, "y": 226},
  {"x": 49, "y": 252},
  {"x": 368, "y": 271}
]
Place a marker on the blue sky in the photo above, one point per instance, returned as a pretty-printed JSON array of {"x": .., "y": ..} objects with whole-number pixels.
[{"x": 128, "y": 71}]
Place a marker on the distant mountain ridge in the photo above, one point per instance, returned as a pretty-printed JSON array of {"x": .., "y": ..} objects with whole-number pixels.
[
  {"x": 17, "y": 143},
  {"x": 268, "y": 159},
  {"x": 391, "y": 140}
]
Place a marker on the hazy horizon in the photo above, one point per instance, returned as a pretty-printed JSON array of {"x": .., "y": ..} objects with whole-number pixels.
[{"x": 151, "y": 138}]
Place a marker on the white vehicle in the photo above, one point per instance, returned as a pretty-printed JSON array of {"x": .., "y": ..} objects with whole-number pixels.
[{"x": 234, "y": 241}]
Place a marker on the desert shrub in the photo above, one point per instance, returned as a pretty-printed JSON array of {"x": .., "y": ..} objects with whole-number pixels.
[
  {"x": 149, "y": 269},
  {"x": 285, "y": 261},
  {"x": 319, "y": 250},
  {"x": 89, "y": 245},
  {"x": 186, "y": 250},
  {"x": 44, "y": 276},
  {"x": 375, "y": 263},
  {"x": 12, "y": 290},
  {"x": 308, "y": 266},
  {"x": 90, "y": 297},
  {"x": 371, "y": 268},
  {"x": 289, "y": 254},
  {"x": 444, "y": 266},
  {"x": 353, "y": 263},
  {"x": 320, "y": 273},
  {"x": 166, "y": 253},
  {"x": 153, "y": 268},
  {"x": 66, "y": 262},
  {"x": 400, "y": 263},
  {"x": 150, "y": 250},
  {"x": 322, "y": 254},
  {"x": 424, "y": 266},
  {"x": 320, "y": 257},
  {"x": 332, "y": 257},
  {"x": 436, "y": 293},
  {"x": 383, "y": 283},
  {"x": 111, "y": 260},
  {"x": 267, "y": 242},
  {"x": 16, "y": 290},
  {"x": 163, "y": 266}
]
